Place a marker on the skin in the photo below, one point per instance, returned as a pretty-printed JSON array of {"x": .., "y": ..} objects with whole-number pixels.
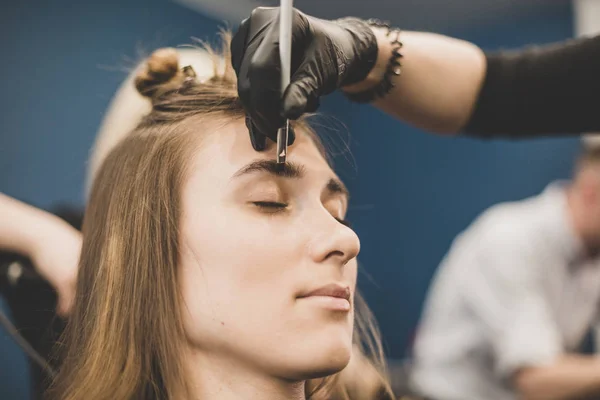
[
  {"x": 52, "y": 245},
  {"x": 584, "y": 205},
  {"x": 244, "y": 265},
  {"x": 423, "y": 95}
]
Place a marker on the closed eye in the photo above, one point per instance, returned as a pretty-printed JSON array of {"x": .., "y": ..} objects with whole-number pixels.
[
  {"x": 274, "y": 207},
  {"x": 270, "y": 206}
]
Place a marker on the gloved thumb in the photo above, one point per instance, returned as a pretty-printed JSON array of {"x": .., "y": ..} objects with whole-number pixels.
[{"x": 300, "y": 97}]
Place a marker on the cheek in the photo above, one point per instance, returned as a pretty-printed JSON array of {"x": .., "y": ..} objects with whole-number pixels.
[
  {"x": 237, "y": 250},
  {"x": 235, "y": 273}
]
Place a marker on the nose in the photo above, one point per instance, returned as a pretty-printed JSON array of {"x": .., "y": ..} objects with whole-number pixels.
[{"x": 334, "y": 242}]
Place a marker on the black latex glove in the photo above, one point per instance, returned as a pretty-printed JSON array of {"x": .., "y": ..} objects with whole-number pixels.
[{"x": 326, "y": 55}]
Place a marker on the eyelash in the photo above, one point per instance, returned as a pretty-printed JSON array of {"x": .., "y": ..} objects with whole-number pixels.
[{"x": 276, "y": 207}]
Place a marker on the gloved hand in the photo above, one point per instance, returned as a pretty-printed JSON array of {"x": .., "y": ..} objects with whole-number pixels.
[{"x": 326, "y": 55}]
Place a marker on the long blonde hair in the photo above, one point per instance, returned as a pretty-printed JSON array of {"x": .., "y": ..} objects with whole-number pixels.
[{"x": 125, "y": 336}]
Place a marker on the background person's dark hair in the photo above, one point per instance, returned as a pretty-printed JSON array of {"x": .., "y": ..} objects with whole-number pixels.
[{"x": 590, "y": 153}]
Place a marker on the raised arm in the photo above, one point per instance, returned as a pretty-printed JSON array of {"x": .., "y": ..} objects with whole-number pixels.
[
  {"x": 51, "y": 243},
  {"x": 448, "y": 86}
]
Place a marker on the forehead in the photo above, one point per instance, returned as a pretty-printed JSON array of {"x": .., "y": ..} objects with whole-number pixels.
[{"x": 228, "y": 148}]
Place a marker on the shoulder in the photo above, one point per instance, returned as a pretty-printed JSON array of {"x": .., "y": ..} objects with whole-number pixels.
[
  {"x": 506, "y": 225},
  {"x": 502, "y": 243}
]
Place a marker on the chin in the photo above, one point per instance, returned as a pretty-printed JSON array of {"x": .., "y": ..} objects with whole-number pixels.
[
  {"x": 329, "y": 355},
  {"x": 328, "y": 367}
]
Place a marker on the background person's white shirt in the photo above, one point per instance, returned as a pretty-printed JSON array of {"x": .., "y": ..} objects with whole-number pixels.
[{"x": 515, "y": 290}]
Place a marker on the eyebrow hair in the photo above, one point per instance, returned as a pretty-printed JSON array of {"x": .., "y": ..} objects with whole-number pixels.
[
  {"x": 289, "y": 170},
  {"x": 337, "y": 186}
]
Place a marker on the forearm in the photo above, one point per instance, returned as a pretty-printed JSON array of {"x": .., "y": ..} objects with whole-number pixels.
[
  {"x": 439, "y": 84},
  {"x": 569, "y": 378},
  {"x": 448, "y": 86},
  {"x": 21, "y": 225}
]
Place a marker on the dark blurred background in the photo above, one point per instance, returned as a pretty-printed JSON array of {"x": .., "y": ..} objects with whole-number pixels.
[{"x": 412, "y": 193}]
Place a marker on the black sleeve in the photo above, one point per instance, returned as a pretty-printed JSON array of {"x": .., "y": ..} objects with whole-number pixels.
[{"x": 539, "y": 91}]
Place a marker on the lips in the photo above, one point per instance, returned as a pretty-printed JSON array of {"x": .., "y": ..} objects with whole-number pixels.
[
  {"x": 331, "y": 290},
  {"x": 334, "y": 297}
]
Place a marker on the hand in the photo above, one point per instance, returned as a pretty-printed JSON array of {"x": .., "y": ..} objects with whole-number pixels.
[
  {"x": 55, "y": 255},
  {"x": 326, "y": 55}
]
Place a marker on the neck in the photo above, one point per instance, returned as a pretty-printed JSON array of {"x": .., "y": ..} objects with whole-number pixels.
[{"x": 214, "y": 377}]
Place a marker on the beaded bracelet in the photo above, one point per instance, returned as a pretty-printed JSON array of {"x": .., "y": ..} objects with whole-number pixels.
[{"x": 394, "y": 67}]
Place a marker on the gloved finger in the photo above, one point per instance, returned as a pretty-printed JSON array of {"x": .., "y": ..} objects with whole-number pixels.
[
  {"x": 238, "y": 45},
  {"x": 259, "y": 141},
  {"x": 267, "y": 121},
  {"x": 264, "y": 80},
  {"x": 304, "y": 92},
  {"x": 264, "y": 62},
  {"x": 264, "y": 75},
  {"x": 250, "y": 33},
  {"x": 300, "y": 97},
  {"x": 314, "y": 78},
  {"x": 243, "y": 48},
  {"x": 265, "y": 25}
]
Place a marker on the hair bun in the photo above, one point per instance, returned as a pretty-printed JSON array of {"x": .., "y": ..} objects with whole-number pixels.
[{"x": 160, "y": 71}]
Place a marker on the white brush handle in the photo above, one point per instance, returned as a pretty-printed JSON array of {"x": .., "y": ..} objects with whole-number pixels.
[{"x": 285, "y": 42}]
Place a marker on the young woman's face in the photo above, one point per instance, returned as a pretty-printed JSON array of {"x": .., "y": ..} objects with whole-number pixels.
[{"x": 268, "y": 271}]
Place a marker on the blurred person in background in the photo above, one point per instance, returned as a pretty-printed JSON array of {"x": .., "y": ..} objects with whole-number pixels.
[
  {"x": 514, "y": 298},
  {"x": 434, "y": 82}
]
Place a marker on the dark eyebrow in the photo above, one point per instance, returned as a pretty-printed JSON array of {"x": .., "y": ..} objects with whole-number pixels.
[
  {"x": 337, "y": 187},
  {"x": 287, "y": 170}
]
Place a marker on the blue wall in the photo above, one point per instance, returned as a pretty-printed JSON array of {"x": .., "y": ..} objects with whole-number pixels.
[{"x": 412, "y": 193}]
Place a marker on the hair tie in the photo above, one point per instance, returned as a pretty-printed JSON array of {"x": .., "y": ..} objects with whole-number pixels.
[{"x": 189, "y": 73}]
